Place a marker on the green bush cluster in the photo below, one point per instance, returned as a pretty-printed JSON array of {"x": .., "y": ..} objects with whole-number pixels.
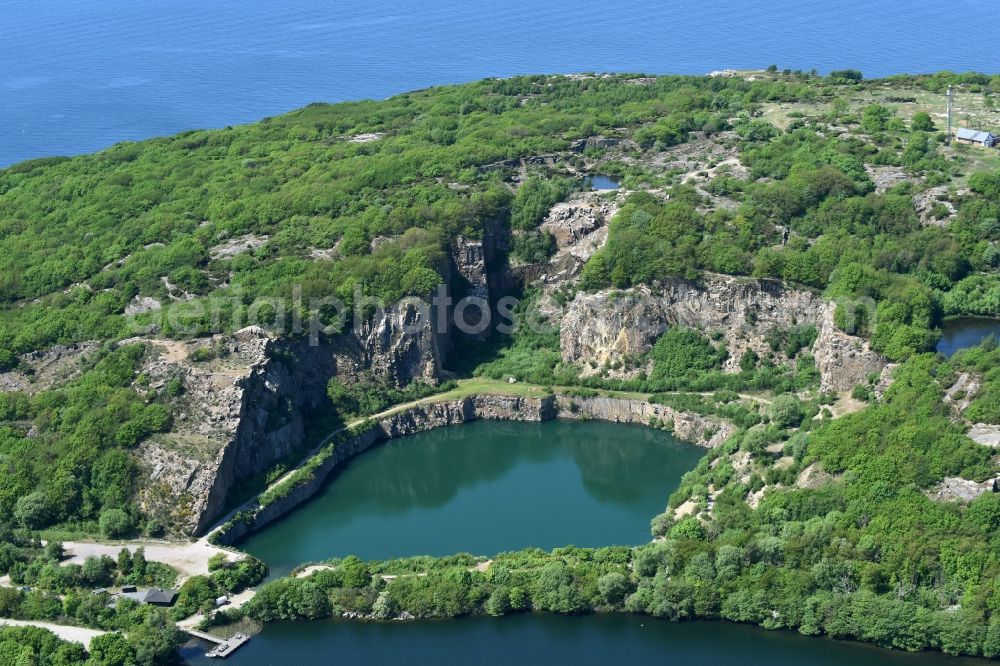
[
  {"x": 75, "y": 468},
  {"x": 365, "y": 398},
  {"x": 199, "y": 593}
]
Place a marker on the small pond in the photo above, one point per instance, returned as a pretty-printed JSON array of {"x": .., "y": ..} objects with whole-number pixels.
[
  {"x": 960, "y": 332},
  {"x": 603, "y": 182}
]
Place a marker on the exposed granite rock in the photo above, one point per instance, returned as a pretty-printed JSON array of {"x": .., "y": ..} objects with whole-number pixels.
[
  {"x": 140, "y": 304},
  {"x": 401, "y": 345},
  {"x": 569, "y": 221},
  {"x": 603, "y": 143},
  {"x": 753, "y": 499},
  {"x": 239, "y": 414},
  {"x": 234, "y": 246},
  {"x": 813, "y": 477},
  {"x": 606, "y": 326},
  {"x": 41, "y": 370},
  {"x": 244, "y": 411},
  {"x": 886, "y": 177},
  {"x": 470, "y": 263},
  {"x": 695, "y": 156},
  {"x": 960, "y": 394},
  {"x": 546, "y": 160},
  {"x": 486, "y": 407},
  {"x": 957, "y": 489},
  {"x": 925, "y": 202},
  {"x": 701, "y": 430},
  {"x": 845, "y": 360},
  {"x": 985, "y": 434},
  {"x": 366, "y": 138},
  {"x": 579, "y": 229}
]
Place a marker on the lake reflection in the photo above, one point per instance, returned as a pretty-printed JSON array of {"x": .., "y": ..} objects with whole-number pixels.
[
  {"x": 961, "y": 332},
  {"x": 486, "y": 487}
]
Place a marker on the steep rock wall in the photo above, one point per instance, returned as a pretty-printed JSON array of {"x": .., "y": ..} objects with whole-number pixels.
[
  {"x": 610, "y": 325},
  {"x": 705, "y": 431},
  {"x": 244, "y": 411},
  {"x": 404, "y": 344}
]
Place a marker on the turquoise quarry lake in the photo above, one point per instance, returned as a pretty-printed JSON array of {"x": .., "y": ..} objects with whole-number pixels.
[
  {"x": 491, "y": 486},
  {"x": 483, "y": 488},
  {"x": 80, "y": 75}
]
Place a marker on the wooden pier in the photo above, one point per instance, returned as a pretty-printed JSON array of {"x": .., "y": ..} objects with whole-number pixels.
[{"x": 223, "y": 647}]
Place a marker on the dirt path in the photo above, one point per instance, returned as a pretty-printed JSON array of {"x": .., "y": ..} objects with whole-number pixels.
[
  {"x": 65, "y": 632},
  {"x": 190, "y": 559},
  {"x": 313, "y": 568}
]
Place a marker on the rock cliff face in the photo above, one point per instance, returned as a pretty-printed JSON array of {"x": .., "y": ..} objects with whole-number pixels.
[
  {"x": 243, "y": 411},
  {"x": 488, "y": 407},
  {"x": 610, "y": 325},
  {"x": 603, "y": 143},
  {"x": 238, "y": 414},
  {"x": 701, "y": 430},
  {"x": 470, "y": 263},
  {"x": 579, "y": 227},
  {"x": 845, "y": 360},
  {"x": 402, "y": 345}
]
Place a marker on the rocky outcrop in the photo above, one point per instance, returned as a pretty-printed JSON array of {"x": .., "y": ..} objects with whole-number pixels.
[
  {"x": 934, "y": 206},
  {"x": 238, "y": 414},
  {"x": 570, "y": 221},
  {"x": 480, "y": 407},
  {"x": 843, "y": 360},
  {"x": 701, "y": 430},
  {"x": 957, "y": 489},
  {"x": 400, "y": 345},
  {"x": 38, "y": 371},
  {"x": 234, "y": 246},
  {"x": 813, "y": 477},
  {"x": 607, "y": 326},
  {"x": 985, "y": 434},
  {"x": 602, "y": 143},
  {"x": 579, "y": 228},
  {"x": 961, "y": 394},
  {"x": 244, "y": 408},
  {"x": 470, "y": 263},
  {"x": 887, "y": 177}
]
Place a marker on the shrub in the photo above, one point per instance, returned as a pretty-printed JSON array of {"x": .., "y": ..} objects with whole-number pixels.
[
  {"x": 114, "y": 522},
  {"x": 33, "y": 510},
  {"x": 613, "y": 587},
  {"x": 921, "y": 122},
  {"x": 785, "y": 411}
]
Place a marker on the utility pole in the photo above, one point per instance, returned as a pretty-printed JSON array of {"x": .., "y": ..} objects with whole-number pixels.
[{"x": 951, "y": 94}]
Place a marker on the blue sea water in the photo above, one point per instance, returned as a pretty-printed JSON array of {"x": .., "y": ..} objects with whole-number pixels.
[{"x": 79, "y": 75}]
